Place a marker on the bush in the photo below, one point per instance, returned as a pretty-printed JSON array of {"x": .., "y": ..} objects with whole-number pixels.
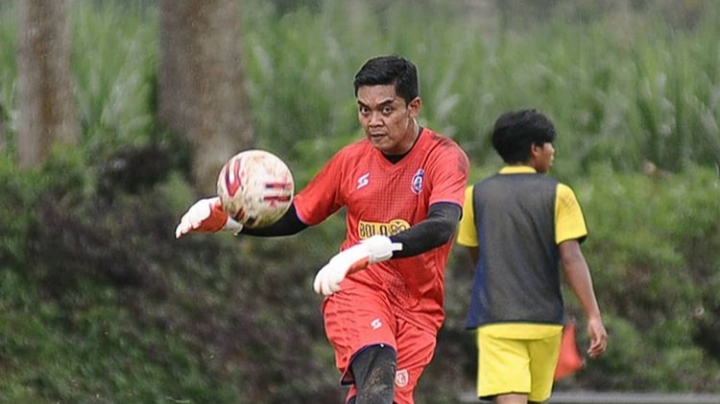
[{"x": 653, "y": 252}]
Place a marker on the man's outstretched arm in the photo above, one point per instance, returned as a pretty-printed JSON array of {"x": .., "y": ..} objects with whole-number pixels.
[{"x": 207, "y": 216}]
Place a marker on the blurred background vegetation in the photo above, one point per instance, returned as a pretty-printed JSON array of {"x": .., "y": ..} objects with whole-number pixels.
[{"x": 100, "y": 304}]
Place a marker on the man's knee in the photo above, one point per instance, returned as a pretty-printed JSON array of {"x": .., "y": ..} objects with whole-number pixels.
[{"x": 374, "y": 373}]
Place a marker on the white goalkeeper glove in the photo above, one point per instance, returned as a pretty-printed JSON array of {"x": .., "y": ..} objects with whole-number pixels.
[
  {"x": 206, "y": 215},
  {"x": 369, "y": 251}
]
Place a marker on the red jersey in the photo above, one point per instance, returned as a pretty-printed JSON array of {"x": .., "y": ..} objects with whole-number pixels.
[{"x": 386, "y": 198}]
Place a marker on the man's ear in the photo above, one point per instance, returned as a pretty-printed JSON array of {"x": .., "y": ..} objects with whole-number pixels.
[
  {"x": 414, "y": 107},
  {"x": 535, "y": 150}
]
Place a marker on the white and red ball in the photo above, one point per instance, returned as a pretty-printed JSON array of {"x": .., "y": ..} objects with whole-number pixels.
[{"x": 255, "y": 188}]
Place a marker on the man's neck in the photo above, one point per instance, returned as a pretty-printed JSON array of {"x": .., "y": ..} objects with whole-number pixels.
[{"x": 394, "y": 158}]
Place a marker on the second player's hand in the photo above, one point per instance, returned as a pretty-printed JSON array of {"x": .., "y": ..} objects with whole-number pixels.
[{"x": 598, "y": 337}]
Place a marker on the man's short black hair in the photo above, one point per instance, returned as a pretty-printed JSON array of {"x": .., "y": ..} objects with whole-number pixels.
[
  {"x": 516, "y": 131},
  {"x": 391, "y": 69}
]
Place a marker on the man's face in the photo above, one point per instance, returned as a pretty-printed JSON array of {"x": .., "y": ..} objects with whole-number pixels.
[
  {"x": 388, "y": 122},
  {"x": 543, "y": 157}
]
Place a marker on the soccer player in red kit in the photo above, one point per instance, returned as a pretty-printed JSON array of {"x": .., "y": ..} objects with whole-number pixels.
[{"x": 403, "y": 188}]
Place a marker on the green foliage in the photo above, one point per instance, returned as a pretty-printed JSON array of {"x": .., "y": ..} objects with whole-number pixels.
[
  {"x": 114, "y": 60},
  {"x": 100, "y": 304},
  {"x": 625, "y": 88},
  {"x": 13, "y": 224},
  {"x": 653, "y": 252},
  {"x": 8, "y": 74}
]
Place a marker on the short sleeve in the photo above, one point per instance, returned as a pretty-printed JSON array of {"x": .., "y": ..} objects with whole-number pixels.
[
  {"x": 467, "y": 233},
  {"x": 449, "y": 174},
  {"x": 569, "y": 219},
  {"x": 321, "y": 197}
]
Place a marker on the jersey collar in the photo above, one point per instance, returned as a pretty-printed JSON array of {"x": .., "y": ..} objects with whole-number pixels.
[{"x": 518, "y": 170}]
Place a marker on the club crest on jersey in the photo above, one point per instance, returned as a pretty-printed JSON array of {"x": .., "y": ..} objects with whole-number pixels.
[
  {"x": 417, "y": 181},
  {"x": 402, "y": 378}
]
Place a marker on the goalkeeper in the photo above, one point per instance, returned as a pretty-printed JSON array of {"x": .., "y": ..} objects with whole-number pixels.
[{"x": 403, "y": 188}]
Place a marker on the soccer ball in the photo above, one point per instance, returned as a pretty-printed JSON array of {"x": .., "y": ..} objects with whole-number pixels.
[{"x": 255, "y": 188}]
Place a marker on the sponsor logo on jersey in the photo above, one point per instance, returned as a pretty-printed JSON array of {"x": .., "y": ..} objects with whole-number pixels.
[
  {"x": 402, "y": 378},
  {"x": 363, "y": 180},
  {"x": 375, "y": 324},
  {"x": 369, "y": 229},
  {"x": 417, "y": 181}
]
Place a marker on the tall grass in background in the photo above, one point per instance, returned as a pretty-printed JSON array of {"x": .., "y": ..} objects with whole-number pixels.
[
  {"x": 114, "y": 53},
  {"x": 678, "y": 99},
  {"x": 114, "y": 48},
  {"x": 623, "y": 87},
  {"x": 301, "y": 68},
  {"x": 8, "y": 74}
]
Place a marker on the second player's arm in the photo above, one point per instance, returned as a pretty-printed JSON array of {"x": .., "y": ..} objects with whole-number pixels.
[{"x": 579, "y": 279}]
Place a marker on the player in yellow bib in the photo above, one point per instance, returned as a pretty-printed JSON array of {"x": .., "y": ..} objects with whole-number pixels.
[{"x": 521, "y": 227}]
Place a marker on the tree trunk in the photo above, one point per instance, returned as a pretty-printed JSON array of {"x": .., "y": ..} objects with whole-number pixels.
[
  {"x": 201, "y": 94},
  {"x": 47, "y": 109}
]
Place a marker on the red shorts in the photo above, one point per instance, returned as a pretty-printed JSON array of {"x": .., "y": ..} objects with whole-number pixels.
[{"x": 360, "y": 316}]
